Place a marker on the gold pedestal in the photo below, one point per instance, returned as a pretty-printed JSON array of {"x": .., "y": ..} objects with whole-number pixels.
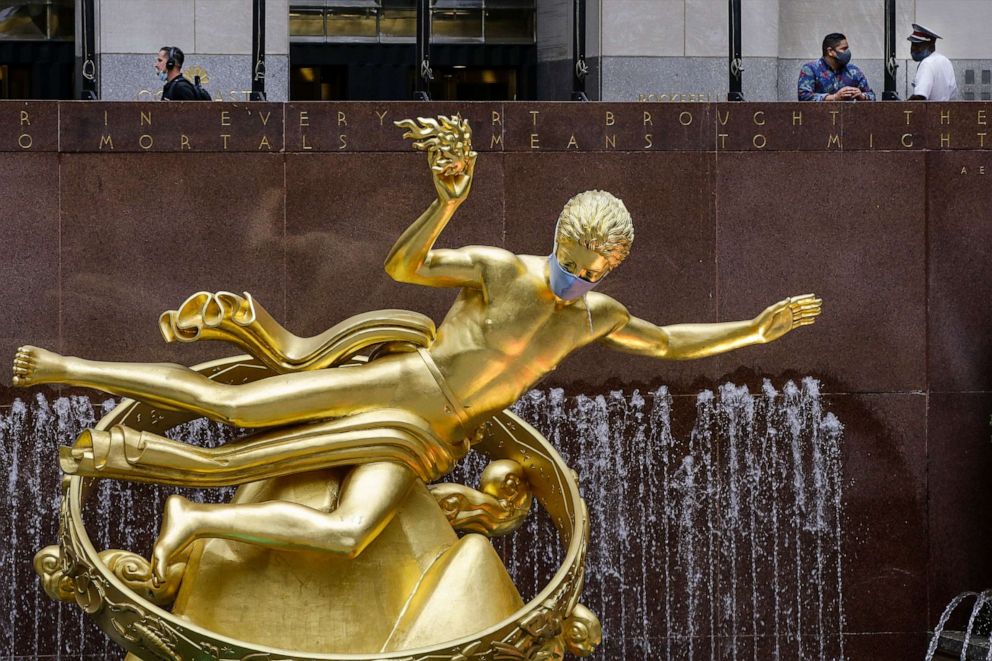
[{"x": 417, "y": 568}]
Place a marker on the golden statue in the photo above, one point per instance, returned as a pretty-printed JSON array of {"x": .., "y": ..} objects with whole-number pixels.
[{"x": 378, "y": 427}]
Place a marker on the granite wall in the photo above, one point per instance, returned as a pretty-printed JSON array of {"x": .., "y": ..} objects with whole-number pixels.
[
  {"x": 117, "y": 211},
  {"x": 214, "y": 35},
  {"x": 675, "y": 47}
]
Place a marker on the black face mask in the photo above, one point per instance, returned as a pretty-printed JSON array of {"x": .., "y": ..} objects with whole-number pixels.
[{"x": 843, "y": 56}]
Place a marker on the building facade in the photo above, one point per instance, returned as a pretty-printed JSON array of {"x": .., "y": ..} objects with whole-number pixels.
[{"x": 636, "y": 50}]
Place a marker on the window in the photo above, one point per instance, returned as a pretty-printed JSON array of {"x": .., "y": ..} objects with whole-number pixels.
[
  {"x": 37, "y": 20},
  {"x": 352, "y": 23},
  {"x": 306, "y": 23},
  {"x": 452, "y": 21}
]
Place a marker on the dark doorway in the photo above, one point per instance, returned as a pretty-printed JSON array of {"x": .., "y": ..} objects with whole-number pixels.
[
  {"x": 385, "y": 72},
  {"x": 36, "y": 70}
]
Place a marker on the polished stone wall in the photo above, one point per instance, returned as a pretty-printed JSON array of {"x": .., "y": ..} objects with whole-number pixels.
[{"x": 117, "y": 211}]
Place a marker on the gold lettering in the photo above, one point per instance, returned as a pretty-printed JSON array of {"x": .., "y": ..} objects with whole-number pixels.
[
  {"x": 611, "y": 141},
  {"x": 945, "y": 140},
  {"x": 797, "y": 117},
  {"x": 909, "y": 115},
  {"x": 945, "y": 117},
  {"x": 146, "y": 141},
  {"x": 723, "y": 120},
  {"x": 833, "y": 140},
  {"x": 265, "y": 117},
  {"x": 146, "y": 118},
  {"x": 304, "y": 144},
  {"x": 184, "y": 142},
  {"x": 981, "y": 139},
  {"x": 25, "y": 143},
  {"x": 981, "y": 169},
  {"x": 723, "y": 140},
  {"x": 535, "y": 141},
  {"x": 225, "y": 118},
  {"x": 610, "y": 119},
  {"x": 833, "y": 117},
  {"x": 105, "y": 118},
  {"x": 382, "y": 116},
  {"x": 648, "y": 142},
  {"x": 497, "y": 140},
  {"x": 225, "y": 136},
  {"x": 905, "y": 137},
  {"x": 533, "y": 117},
  {"x": 496, "y": 118},
  {"x": 981, "y": 118},
  {"x": 342, "y": 120},
  {"x": 762, "y": 118},
  {"x": 107, "y": 140},
  {"x": 25, "y": 118},
  {"x": 264, "y": 143},
  {"x": 572, "y": 142},
  {"x": 964, "y": 170},
  {"x": 685, "y": 118},
  {"x": 304, "y": 118},
  {"x": 343, "y": 139},
  {"x": 759, "y": 141},
  {"x": 871, "y": 140},
  {"x": 647, "y": 119}
]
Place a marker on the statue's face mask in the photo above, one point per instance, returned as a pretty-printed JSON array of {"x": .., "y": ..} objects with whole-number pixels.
[{"x": 574, "y": 270}]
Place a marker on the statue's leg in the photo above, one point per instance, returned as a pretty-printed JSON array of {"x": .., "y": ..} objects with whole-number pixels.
[
  {"x": 276, "y": 400},
  {"x": 369, "y": 497}
]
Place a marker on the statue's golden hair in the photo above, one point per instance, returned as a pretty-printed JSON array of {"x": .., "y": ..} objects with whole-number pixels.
[{"x": 597, "y": 221}]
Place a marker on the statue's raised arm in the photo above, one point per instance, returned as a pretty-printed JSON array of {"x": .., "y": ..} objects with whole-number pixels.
[{"x": 448, "y": 144}]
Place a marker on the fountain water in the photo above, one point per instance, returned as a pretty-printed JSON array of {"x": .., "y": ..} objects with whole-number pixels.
[
  {"x": 721, "y": 543},
  {"x": 969, "y": 648}
]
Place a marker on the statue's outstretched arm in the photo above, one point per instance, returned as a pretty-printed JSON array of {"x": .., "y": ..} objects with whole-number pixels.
[
  {"x": 688, "y": 341},
  {"x": 413, "y": 258}
]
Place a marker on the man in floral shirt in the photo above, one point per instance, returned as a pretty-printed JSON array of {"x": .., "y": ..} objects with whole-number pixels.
[{"x": 833, "y": 77}]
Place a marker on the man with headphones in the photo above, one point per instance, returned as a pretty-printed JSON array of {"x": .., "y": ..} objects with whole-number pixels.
[{"x": 168, "y": 65}]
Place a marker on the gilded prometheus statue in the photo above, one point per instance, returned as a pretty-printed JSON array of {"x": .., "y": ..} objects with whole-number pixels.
[{"x": 407, "y": 414}]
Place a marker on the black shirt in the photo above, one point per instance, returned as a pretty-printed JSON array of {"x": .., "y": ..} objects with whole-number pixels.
[{"x": 178, "y": 89}]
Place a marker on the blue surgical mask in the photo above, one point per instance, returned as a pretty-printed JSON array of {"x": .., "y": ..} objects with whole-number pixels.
[
  {"x": 566, "y": 286},
  {"x": 163, "y": 76},
  {"x": 920, "y": 55},
  {"x": 843, "y": 56}
]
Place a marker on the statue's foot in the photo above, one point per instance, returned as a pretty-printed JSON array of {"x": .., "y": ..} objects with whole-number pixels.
[
  {"x": 33, "y": 365},
  {"x": 174, "y": 538}
]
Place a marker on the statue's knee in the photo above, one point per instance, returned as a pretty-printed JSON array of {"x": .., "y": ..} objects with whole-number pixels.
[
  {"x": 234, "y": 411},
  {"x": 347, "y": 537}
]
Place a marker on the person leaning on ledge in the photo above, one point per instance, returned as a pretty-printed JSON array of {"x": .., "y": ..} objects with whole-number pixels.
[
  {"x": 169, "y": 65},
  {"x": 833, "y": 77},
  {"x": 935, "y": 76}
]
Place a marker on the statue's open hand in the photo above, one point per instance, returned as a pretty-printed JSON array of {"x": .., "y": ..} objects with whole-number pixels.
[
  {"x": 780, "y": 318},
  {"x": 448, "y": 143}
]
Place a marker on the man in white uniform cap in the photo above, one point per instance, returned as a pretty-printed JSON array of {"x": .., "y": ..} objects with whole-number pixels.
[{"x": 935, "y": 76}]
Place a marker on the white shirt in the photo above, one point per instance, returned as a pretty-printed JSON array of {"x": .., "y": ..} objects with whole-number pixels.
[{"x": 935, "y": 79}]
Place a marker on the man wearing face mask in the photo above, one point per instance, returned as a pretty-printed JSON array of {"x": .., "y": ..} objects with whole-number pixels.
[
  {"x": 935, "y": 76},
  {"x": 168, "y": 66},
  {"x": 833, "y": 77}
]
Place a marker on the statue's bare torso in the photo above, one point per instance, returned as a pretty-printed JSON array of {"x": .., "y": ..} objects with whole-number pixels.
[{"x": 492, "y": 349}]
